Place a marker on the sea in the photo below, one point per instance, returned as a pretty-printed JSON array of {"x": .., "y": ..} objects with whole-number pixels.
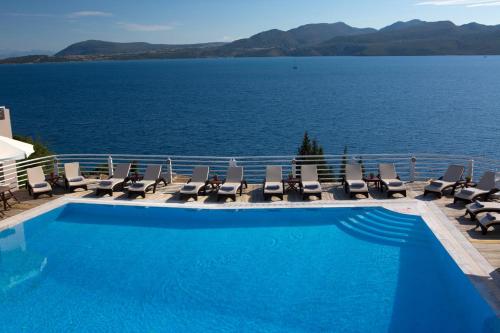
[{"x": 259, "y": 106}]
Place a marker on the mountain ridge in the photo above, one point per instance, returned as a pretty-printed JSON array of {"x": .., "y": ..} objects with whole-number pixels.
[{"x": 414, "y": 37}]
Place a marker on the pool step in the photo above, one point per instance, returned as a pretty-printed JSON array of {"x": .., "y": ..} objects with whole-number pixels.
[{"x": 386, "y": 227}]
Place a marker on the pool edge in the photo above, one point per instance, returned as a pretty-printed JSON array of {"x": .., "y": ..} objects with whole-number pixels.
[{"x": 474, "y": 265}]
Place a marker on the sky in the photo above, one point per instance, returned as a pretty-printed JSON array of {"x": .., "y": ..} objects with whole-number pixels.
[{"x": 55, "y": 24}]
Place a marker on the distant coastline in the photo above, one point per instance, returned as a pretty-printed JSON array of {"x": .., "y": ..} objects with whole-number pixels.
[{"x": 412, "y": 38}]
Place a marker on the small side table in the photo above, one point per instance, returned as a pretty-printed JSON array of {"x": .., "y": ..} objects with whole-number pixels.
[
  {"x": 374, "y": 180},
  {"x": 215, "y": 184},
  {"x": 53, "y": 180},
  {"x": 292, "y": 183},
  {"x": 4, "y": 191}
]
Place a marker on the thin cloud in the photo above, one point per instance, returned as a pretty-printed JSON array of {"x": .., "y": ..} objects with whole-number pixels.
[
  {"x": 463, "y": 3},
  {"x": 89, "y": 13},
  {"x": 73, "y": 15},
  {"x": 28, "y": 14},
  {"x": 145, "y": 27}
]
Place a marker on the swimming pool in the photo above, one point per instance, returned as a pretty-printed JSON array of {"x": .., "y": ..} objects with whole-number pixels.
[{"x": 87, "y": 267}]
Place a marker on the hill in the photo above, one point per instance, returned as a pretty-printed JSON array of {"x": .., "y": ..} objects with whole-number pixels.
[{"x": 413, "y": 37}]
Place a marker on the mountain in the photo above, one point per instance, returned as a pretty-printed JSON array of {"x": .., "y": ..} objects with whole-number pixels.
[
  {"x": 302, "y": 36},
  {"x": 418, "y": 38},
  {"x": 413, "y": 37},
  {"x": 98, "y": 47}
]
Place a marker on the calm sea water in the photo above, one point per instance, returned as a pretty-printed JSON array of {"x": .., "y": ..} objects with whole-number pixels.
[{"x": 259, "y": 106}]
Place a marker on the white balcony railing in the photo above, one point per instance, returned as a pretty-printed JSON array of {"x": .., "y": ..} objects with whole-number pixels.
[{"x": 411, "y": 167}]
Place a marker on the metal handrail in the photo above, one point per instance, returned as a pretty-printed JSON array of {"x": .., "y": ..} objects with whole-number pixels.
[{"x": 410, "y": 167}]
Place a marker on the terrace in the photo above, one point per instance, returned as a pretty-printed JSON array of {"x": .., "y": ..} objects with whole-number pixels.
[{"x": 478, "y": 255}]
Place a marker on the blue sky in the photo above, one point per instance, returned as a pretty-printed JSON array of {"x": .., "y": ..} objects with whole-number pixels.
[{"x": 54, "y": 24}]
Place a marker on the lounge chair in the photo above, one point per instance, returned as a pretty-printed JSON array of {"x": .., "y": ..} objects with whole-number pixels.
[
  {"x": 273, "y": 184},
  {"x": 450, "y": 179},
  {"x": 73, "y": 178},
  {"x": 116, "y": 180},
  {"x": 353, "y": 181},
  {"x": 390, "y": 180},
  {"x": 197, "y": 183},
  {"x": 487, "y": 221},
  {"x": 478, "y": 207},
  {"x": 309, "y": 184},
  {"x": 150, "y": 180},
  {"x": 484, "y": 188},
  {"x": 36, "y": 182},
  {"x": 233, "y": 183}
]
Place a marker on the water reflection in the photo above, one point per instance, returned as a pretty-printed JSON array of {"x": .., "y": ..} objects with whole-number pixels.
[{"x": 17, "y": 264}]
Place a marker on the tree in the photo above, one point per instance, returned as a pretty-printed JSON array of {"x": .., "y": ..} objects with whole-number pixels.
[
  {"x": 311, "y": 152},
  {"x": 41, "y": 149},
  {"x": 306, "y": 147}
]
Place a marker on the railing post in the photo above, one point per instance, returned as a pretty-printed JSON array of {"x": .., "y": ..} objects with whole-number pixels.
[
  {"x": 294, "y": 168},
  {"x": 232, "y": 162},
  {"x": 470, "y": 169},
  {"x": 413, "y": 164},
  {"x": 170, "y": 173},
  {"x": 56, "y": 167},
  {"x": 110, "y": 166},
  {"x": 2, "y": 179}
]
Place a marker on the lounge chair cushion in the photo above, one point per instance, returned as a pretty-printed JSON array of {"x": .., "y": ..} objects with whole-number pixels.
[
  {"x": 41, "y": 187},
  {"x": 311, "y": 187},
  {"x": 76, "y": 179},
  {"x": 489, "y": 220},
  {"x": 188, "y": 188},
  {"x": 470, "y": 193},
  {"x": 477, "y": 206},
  {"x": 438, "y": 185},
  {"x": 273, "y": 187},
  {"x": 229, "y": 188},
  {"x": 492, "y": 217},
  {"x": 192, "y": 187},
  {"x": 394, "y": 184},
  {"x": 356, "y": 186},
  {"x": 141, "y": 186},
  {"x": 109, "y": 184}
]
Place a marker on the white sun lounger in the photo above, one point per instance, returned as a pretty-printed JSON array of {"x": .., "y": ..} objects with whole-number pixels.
[
  {"x": 478, "y": 207},
  {"x": 118, "y": 178},
  {"x": 197, "y": 182},
  {"x": 309, "y": 181},
  {"x": 150, "y": 180},
  {"x": 487, "y": 221},
  {"x": 36, "y": 182},
  {"x": 73, "y": 178},
  {"x": 390, "y": 180},
  {"x": 484, "y": 188},
  {"x": 450, "y": 180},
  {"x": 233, "y": 183},
  {"x": 273, "y": 184},
  {"x": 353, "y": 182}
]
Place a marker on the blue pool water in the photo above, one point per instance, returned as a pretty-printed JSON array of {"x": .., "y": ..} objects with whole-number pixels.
[
  {"x": 108, "y": 268},
  {"x": 234, "y": 107}
]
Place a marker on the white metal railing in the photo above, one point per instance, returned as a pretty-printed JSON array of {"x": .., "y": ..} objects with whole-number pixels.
[{"x": 410, "y": 167}]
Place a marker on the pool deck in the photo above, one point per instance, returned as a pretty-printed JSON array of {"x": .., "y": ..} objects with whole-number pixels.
[{"x": 477, "y": 255}]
